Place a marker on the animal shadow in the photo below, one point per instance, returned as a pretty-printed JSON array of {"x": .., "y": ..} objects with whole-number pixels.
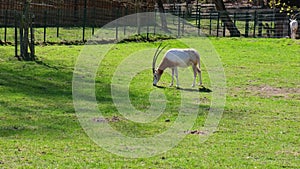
[
  {"x": 201, "y": 89},
  {"x": 160, "y": 87}
]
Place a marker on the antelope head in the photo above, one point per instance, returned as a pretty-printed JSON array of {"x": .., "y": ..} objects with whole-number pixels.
[
  {"x": 156, "y": 73},
  {"x": 294, "y": 17}
]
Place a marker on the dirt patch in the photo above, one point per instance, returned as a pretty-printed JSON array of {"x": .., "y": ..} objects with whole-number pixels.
[
  {"x": 107, "y": 119},
  {"x": 294, "y": 153},
  {"x": 267, "y": 91}
]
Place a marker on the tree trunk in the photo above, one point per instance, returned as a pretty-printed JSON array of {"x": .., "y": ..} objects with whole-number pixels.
[
  {"x": 162, "y": 15},
  {"x": 234, "y": 32},
  {"x": 25, "y": 23}
]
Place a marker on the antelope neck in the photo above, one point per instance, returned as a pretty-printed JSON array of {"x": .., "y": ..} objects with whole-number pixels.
[{"x": 160, "y": 71}]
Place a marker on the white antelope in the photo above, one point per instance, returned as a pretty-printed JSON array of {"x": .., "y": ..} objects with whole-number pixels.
[
  {"x": 294, "y": 26},
  {"x": 174, "y": 58}
]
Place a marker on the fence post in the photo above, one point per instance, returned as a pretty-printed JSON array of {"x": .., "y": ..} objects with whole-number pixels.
[
  {"x": 117, "y": 25},
  {"x": 138, "y": 20},
  {"x": 147, "y": 27},
  {"x": 224, "y": 26},
  {"x": 218, "y": 24},
  {"x": 255, "y": 23},
  {"x": 45, "y": 25},
  {"x": 273, "y": 22},
  {"x": 178, "y": 27},
  {"x": 184, "y": 15},
  {"x": 210, "y": 18},
  {"x": 247, "y": 25},
  {"x": 58, "y": 23},
  {"x": 154, "y": 29},
  {"x": 197, "y": 10},
  {"x": 199, "y": 23},
  {"x": 124, "y": 29},
  {"x": 224, "y": 29},
  {"x": 94, "y": 19},
  {"x": 84, "y": 21},
  {"x": 5, "y": 26},
  {"x": 16, "y": 35}
]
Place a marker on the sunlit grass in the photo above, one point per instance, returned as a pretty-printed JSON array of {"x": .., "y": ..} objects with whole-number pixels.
[{"x": 259, "y": 128}]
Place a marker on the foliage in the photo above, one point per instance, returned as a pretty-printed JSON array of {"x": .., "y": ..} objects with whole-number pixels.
[{"x": 284, "y": 6}]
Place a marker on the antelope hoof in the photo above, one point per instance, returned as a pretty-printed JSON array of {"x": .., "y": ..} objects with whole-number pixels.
[
  {"x": 171, "y": 85},
  {"x": 193, "y": 85}
]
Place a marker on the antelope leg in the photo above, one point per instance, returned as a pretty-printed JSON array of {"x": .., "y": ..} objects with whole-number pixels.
[{"x": 171, "y": 84}]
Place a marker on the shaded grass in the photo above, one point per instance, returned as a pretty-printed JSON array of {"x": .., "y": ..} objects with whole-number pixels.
[{"x": 39, "y": 128}]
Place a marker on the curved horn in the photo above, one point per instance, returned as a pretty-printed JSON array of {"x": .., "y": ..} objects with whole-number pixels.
[
  {"x": 157, "y": 52},
  {"x": 161, "y": 50},
  {"x": 155, "y": 58},
  {"x": 294, "y": 16}
]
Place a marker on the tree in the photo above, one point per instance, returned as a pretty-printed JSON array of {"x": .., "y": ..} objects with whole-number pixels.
[
  {"x": 234, "y": 32},
  {"x": 25, "y": 27},
  {"x": 162, "y": 15}
]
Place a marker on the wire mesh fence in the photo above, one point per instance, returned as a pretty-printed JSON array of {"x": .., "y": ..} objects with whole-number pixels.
[{"x": 79, "y": 20}]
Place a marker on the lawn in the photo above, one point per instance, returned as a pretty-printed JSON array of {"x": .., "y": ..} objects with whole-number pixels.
[{"x": 39, "y": 127}]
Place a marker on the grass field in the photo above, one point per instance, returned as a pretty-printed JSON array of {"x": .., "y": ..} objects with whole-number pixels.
[{"x": 259, "y": 127}]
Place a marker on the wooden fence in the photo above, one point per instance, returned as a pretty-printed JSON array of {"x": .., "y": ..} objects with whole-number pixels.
[{"x": 79, "y": 19}]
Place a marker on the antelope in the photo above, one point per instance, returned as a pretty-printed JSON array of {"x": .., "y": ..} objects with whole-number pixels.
[
  {"x": 174, "y": 58},
  {"x": 293, "y": 26}
]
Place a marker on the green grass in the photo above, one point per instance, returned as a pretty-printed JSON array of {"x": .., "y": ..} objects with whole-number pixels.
[{"x": 259, "y": 127}]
